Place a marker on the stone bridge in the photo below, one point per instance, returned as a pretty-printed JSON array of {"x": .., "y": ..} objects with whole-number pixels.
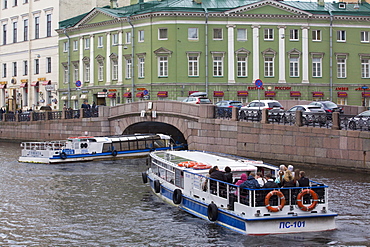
[{"x": 196, "y": 125}]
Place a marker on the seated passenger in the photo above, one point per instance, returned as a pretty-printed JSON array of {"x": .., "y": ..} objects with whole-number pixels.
[
  {"x": 280, "y": 176},
  {"x": 251, "y": 182},
  {"x": 288, "y": 179},
  {"x": 270, "y": 182},
  {"x": 242, "y": 179},
  {"x": 217, "y": 174},
  {"x": 261, "y": 180},
  {"x": 228, "y": 175},
  {"x": 303, "y": 181},
  {"x": 296, "y": 177}
]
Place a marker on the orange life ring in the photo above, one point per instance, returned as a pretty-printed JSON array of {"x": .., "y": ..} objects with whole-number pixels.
[
  {"x": 315, "y": 198},
  {"x": 201, "y": 166},
  {"x": 282, "y": 201},
  {"x": 187, "y": 164}
]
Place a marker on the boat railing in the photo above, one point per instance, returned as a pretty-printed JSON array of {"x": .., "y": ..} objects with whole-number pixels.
[{"x": 55, "y": 145}]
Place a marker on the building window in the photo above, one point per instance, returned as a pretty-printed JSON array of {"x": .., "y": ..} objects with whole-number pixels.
[
  {"x": 241, "y": 34},
  {"x": 128, "y": 38},
  {"x": 15, "y": 31},
  {"x": 316, "y": 67},
  {"x": 65, "y": 47},
  {"x": 4, "y": 70},
  {"x": 87, "y": 72},
  {"x": 75, "y": 45},
  {"x": 316, "y": 35},
  {"x": 25, "y": 1},
  {"x": 114, "y": 69},
  {"x": 365, "y": 36},
  {"x": 294, "y": 34},
  {"x": 75, "y": 72},
  {"x": 141, "y": 35},
  {"x": 48, "y": 25},
  {"x": 217, "y": 33},
  {"x": 15, "y": 3},
  {"x": 242, "y": 66},
  {"x": 341, "y": 67},
  {"x": 218, "y": 65},
  {"x": 14, "y": 68},
  {"x": 48, "y": 65},
  {"x": 365, "y": 67},
  {"x": 341, "y": 36},
  {"x": 87, "y": 43},
  {"x": 66, "y": 79},
  {"x": 37, "y": 66},
  {"x": 193, "y": 65},
  {"x": 4, "y": 34},
  {"x": 141, "y": 67},
  {"x": 128, "y": 68},
  {"x": 5, "y": 4},
  {"x": 25, "y": 30},
  {"x": 100, "y": 71},
  {"x": 269, "y": 34},
  {"x": 294, "y": 66},
  {"x": 25, "y": 67},
  {"x": 193, "y": 33},
  {"x": 100, "y": 41},
  {"x": 162, "y": 66},
  {"x": 37, "y": 27},
  {"x": 162, "y": 34},
  {"x": 269, "y": 66},
  {"x": 115, "y": 39}
]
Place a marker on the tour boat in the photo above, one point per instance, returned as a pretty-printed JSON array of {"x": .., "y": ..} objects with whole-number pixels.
[
  {"x": 181, "y": 178},
  {"x": 88, "y": 148}
]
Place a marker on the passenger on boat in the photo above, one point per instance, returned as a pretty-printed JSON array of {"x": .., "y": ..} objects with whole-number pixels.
[
  {"x": 279, "y": 178},
  {"x": 288, "y": 179},
  {"x": 251, "y": 182},
  {"x": 242, "y": 179},
  {"x": 291, "y": 169},
  {"x": 303, "y": 181},
  {"x": 296, "y": 177},
  {"x": 270, "y": 182},
  {"x": 228, "y": 175},
  {"x": 204, "y": 185},
  {"x": 219, "y": 175},
  {"x": 261, "y": 180}
]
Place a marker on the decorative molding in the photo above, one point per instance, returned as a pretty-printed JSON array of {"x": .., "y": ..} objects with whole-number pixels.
[
  {"x": 162, "y": 51},
  {"x": 242, "y": 51},
  {"x": 269, "y": 51}
]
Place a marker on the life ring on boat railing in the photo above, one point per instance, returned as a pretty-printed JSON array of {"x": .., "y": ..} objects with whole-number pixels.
[
  {"x": 114, "y": 153},
  {"x": 315, "y": 198},
  {"x": 187, "y": 164},
  {"x": 144, "y": 177},
  {"x": 282, "y": 201},
  {"x": 212, "y": 212},
  {"x": 63, "y": 155},
  {"x": 157, "y": 186},
  {"x": 177, "y": 196},
  {"x": 201, "y": 166}
]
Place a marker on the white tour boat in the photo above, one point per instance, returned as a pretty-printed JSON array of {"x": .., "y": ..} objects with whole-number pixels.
[
  {"x": 88, "y": 148},
  {"x": 181, "y": 179}
]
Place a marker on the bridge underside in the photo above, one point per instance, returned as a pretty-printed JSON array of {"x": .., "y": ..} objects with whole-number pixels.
[{"x": 156, "y": 127}]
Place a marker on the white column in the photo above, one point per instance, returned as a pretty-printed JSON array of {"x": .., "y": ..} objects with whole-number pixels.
[
  {"x": 256, "y": 53},
  {"x": 81, "y": 63},
  {"x": 108, "y": 63},
  {"x": 120, "y": 58},
  {"x": 305, "y": 55},
  {"x": 92, "y": 60},
  {"x": 281, "y": 54},
  {"x": 230, "y": 50}
]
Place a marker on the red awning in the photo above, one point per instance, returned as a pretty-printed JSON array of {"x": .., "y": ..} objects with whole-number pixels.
[
  {"x": 162, "y": 94},
  {"x": 190, "y": 92},
  {"x": 295, "y": 94},
  {"x": 270, "y": 93},
  {"x": 366, "y": 94},
  {"x": 2, "y": 86},
  {"x": 342, "y": 94},
  {"x": 111, "y": 95},
  {"x": 317, "y": 94},
  {"x": 242, "y": 93},
  {"x": 24, "y": 84},
  {"x": 44, "y": 83},
  {"x": 34, "y": 83},
  {"x": 218, "y": 93},
  {"x": 139, "y": 94},
  {"x": 127, "y": 95}
]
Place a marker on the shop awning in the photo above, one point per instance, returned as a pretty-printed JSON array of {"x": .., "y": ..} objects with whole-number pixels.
[
  {"x": 127, "y": 95},
  {"x": 295, "y": 94},
  {"x": 342, "y": 94},
  {"x": 317, "y": 94},
  {"x": 242, "y": 93},
  {"x": 111, "y": 95},
  {"x": 366, "y": 94},
  {"x": 63, "y": 98},
  {"x": 24, "y": 84},
  {"x": 73, "y": 97},
  {"x": 270, "y": 93},
  {"x": 139, "y": 94},
  {"x": 162, "y": 94},
  {"x": 44, "y": 83},
  {"x": 2, "y": 86},
  {"x": 218, "y": 93},
  {"x": 35, "y": 84},
  {"x": 83, "y": 96}
]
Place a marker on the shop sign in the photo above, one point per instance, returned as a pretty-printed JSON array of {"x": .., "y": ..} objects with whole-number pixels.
[{"x": 49, "y": 87}]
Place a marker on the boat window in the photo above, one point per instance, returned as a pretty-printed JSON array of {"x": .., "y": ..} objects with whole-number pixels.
[
  {"x": 159, "y": 143},
  {"x": 133, "y": 145},
  {"x": 179, "y": 178},
  {"x": 141, "y": 144},
  {"x": 117, "y": 146},
  {"x": 107, "y": 147},
  {"x": 125, "y": 146}
]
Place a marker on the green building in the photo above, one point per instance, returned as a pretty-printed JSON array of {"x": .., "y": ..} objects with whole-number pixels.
[{"x": 167, "y": 49}]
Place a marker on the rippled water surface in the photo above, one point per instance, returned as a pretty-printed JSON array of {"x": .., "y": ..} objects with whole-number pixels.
[{"x": 106, "y": 204}]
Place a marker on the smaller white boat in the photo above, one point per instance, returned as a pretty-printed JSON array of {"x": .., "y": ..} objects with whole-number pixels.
[
  {"x": 181, "y": 178},
  {"x": 89, "y": 148}
]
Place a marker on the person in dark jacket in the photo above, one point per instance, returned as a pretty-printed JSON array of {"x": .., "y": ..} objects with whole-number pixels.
[
  {"x": 228, "y": 175},
  {"x": 270, "y": 182},
  {"x": 251, "y": 182},
  {"x": 217, "y": 174},
  {"x": 288, "y": 180},
  {"x": 303, "y": 181}
]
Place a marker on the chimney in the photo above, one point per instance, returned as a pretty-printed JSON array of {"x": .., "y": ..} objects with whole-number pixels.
[{"x": 113, "y": 4}]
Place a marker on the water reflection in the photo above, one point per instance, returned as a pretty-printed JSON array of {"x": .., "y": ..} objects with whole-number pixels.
[{"x": 106, "y": 204}]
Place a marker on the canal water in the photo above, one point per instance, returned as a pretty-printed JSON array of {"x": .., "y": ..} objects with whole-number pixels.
[{"x": 107, "y": 204}]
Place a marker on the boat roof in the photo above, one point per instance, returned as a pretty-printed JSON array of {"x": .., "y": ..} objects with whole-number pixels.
[{"x": 117, "y": 138}]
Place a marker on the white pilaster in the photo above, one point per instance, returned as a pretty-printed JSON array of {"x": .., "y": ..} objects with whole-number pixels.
[
  {"x": 305, "y": 55},
  {"x": 92, "y": 61},
  {"x": 281, "y": 54},
  {"x": 230, "y": 50},
  {"x": 120, "y": 58},
  {"x": 256, "y": 53},
  {"x": 108, "y": 63},
  {"x": 81, "y": 63}
]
